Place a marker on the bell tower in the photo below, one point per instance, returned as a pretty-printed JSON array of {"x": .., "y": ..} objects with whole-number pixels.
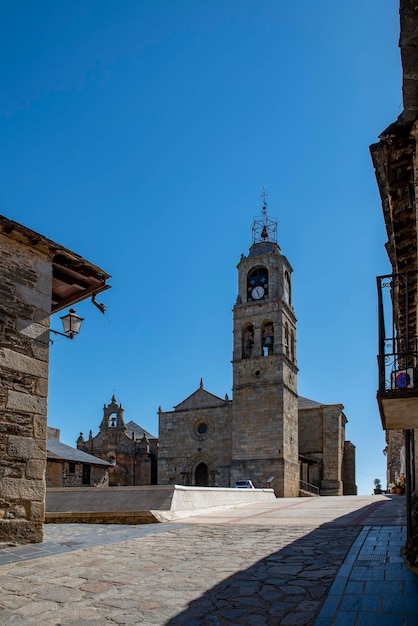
[{"x": 265, "y": 401}]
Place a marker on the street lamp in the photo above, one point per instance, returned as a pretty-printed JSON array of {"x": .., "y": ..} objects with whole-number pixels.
[{"x": 71, "y": 324}]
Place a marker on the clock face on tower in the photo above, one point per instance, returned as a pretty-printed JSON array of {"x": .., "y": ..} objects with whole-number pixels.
[
  {"x": 257, "y": 292},
  {"x": 257, "y": 284}
]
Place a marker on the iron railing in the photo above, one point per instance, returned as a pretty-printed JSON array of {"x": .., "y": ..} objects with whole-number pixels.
[
  {"x": 398, "y": 337},
  {"x": 309, "y": 488}
]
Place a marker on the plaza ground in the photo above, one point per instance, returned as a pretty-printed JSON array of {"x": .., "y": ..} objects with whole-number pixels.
[{"x": 297, "y": 561}]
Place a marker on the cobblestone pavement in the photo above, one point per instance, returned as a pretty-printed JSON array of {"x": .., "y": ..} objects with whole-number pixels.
[
  {"x": 228, "y": 575},
  {"x": 219, "y": 573}
]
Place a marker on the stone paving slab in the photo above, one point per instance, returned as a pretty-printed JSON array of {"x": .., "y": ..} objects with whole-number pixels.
[
  {"x": 299, "y": 562},
  {"x": 373, "y": 587},
  {"x": 69, "y": 537},
  {"x": 197, "y": 574}
]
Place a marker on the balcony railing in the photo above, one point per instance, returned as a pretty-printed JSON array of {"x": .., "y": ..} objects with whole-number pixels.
[
  {"x": 398, "y": 348},
  {"x": 398, "y": 341}
]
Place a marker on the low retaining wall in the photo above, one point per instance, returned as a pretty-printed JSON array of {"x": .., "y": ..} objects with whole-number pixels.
[{"x": 143, "y": 505}]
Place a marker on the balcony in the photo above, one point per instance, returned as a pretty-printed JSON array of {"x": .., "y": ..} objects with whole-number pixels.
[{"x": 397, "y": 393}]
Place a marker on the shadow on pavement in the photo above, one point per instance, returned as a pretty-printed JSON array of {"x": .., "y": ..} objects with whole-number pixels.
[{"x": 290, "y": 585}]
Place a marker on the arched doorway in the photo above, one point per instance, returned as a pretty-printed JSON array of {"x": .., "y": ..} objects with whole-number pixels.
[{"x": 201, "y": 475}]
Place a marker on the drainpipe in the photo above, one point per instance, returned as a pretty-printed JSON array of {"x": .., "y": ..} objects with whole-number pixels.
[{"x": 408, "y": 485}]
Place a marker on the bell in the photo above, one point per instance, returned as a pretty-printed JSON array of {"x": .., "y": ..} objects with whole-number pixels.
[
  {"x": 248, "y": 344},
  {"x": 264, "y": 233},
  {"x": 268, "y": 341}
]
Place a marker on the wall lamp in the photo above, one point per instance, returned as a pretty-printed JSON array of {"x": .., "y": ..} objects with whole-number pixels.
[{"x": 71, "y": 324}]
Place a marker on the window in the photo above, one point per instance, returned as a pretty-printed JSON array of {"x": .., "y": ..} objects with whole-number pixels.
[
  {"x": 71, "y": 468},
  {"x": 286, "y": 338},
  {"x": 247, "y": 341},
  {"x": 257, "y": 284},
  {"x": 287, "y": 294},
  {"x": 201, "y": 429}
]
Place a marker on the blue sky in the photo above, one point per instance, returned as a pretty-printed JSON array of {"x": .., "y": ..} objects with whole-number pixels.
[{"x": 140, "y": 134}]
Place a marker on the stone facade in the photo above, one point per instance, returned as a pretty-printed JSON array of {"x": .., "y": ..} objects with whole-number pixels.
[
  {"x": 25, "y": 295},
  {"x": 34, "y": 282},
  {"x": 349, "y": 469},
  {"x": 328, "y": 460},
  {"x": 73, "y": 474},
  {"x": 196, "y": 440},
  {"x": 395, "y": 441},
  {"x": 69, "y": 467},
  {"x": 197, "y": 434},
  {"x": 265, "y": 411},
  {"x": 131, "y": 451}
]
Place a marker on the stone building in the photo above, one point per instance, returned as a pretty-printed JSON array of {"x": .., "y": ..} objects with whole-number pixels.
[
  {"x": 266, "y": 431},
  {"x": 38, "y": 277},
  {"x": 327, "y": 460},
  {"x": 69, "y": 467},
  {"x": 395, "y": 159},
  {"x": 196, "y": 441},
  {"x": 131, "y": 450},
  {"x": 203, "y": 425}
]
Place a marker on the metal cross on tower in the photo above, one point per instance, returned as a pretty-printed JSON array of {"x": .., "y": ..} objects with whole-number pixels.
[{"x": 264, "y": 196}]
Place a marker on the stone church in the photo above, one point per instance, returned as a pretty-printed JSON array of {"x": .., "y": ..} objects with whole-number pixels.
[
  {"x": 266, "y": 433},
  {"x": 131, "y": 450}
]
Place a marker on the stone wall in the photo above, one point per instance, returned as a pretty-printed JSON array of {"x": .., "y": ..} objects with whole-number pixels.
[
  {"x": 322, "y": 442},
  {"x": 265, "y": 423},
  {"x": 311, "y": 444},
  {"x": 197, "y": 432},
  {"x": 395, "y": 439},
  {"x": 334, "y": 435},
  {"x": 69, "y": 474},
  {"x": 144, "y": 505},
  {"x": 349, "y": 469},
  {"x": 133, "y": 459},
  {"x": 311, "y": 432},
  {"x": 25, "y": 297}
]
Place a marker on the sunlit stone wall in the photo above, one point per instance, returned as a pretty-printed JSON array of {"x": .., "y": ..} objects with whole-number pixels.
[{"x": 25, "y": 304}]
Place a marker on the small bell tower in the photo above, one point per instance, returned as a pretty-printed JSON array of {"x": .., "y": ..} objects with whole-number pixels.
[
  {"x": 265, "y": 401},
  {"x": 113, "y": 416}
]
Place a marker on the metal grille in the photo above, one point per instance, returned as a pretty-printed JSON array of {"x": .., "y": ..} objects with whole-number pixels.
[{"x": 370, "y": 560}]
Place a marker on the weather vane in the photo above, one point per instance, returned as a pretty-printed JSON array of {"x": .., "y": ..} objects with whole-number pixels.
[
  {"x": 264, "y": 196},
  {"x": 264, "y": 228}
]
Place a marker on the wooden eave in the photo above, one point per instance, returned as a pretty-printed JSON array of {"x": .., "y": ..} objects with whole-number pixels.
[
  {"x": 73, "y": 278},
  {"x": 393, "y": 162}
]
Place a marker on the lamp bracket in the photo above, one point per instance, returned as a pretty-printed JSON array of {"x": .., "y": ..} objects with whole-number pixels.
[{"x": 100, "y": 306}]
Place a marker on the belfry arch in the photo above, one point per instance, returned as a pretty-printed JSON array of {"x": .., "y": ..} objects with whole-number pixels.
[
  {"x": 267, "y": 338},
  {"x": 247, "y": 341}
]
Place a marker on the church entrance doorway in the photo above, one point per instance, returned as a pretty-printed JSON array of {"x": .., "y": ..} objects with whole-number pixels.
[{"x": 201, "y": 475}]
